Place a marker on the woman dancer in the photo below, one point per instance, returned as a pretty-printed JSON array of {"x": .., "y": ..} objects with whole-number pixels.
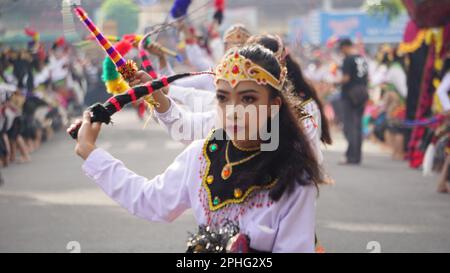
[{"x": 269, "y": 196}]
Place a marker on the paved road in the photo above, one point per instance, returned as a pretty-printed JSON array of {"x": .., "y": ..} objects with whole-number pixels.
[{"x": 48, "y": 203}]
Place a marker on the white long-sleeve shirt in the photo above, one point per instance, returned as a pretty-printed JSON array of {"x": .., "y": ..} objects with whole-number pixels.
[{"x": 287, "y": 225}]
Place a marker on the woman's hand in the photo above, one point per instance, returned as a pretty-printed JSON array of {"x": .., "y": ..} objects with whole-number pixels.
[
  {"x": 155, "y": 49},
  {"x": 87, "y": 135},
  {"x": 142, "y": 77}
]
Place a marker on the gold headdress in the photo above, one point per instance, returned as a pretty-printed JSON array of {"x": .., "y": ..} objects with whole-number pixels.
[
  {"x": 236, "y": 35},
  {"x": 235, "y": 68}
]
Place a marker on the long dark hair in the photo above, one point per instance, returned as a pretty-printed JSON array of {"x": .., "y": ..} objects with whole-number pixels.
[
  {"x": 446, "y": 66},
  {"x": 301, "y": 87},
  {"x": 293, "y": 162}
]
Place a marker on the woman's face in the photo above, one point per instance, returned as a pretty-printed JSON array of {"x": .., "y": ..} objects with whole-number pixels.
[{"x": 245, "y": 109}]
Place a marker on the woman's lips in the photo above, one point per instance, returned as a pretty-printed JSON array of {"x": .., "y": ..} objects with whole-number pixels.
[{"x": 234, "y": 128}]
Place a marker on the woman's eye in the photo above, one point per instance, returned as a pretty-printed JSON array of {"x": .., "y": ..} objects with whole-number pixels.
[
  {"x": 248, "y": 99},
  {"x": 221, "y": 98}
]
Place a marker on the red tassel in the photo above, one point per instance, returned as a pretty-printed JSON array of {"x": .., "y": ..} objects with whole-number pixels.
[{"x": 141, "y": 109}]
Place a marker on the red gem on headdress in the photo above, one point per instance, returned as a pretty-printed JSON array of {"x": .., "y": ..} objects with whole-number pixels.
[
  {"x": 236, "y": 55},
  {"x": 235, "y": 69}
]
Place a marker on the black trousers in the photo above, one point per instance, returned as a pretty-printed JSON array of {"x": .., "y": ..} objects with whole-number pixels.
[{"x": 352, "y": 119}]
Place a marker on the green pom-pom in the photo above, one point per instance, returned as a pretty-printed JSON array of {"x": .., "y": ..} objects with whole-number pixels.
[
  {"x": 147, "y": 42},
  {"x": 109, "y": 70}
]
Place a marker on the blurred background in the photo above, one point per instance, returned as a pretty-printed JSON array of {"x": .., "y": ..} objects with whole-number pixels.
[{"x": 51, "y": 69}]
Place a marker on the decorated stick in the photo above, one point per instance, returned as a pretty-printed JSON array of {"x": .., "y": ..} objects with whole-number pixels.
[
  {"x": 146, "y": 41},
  {"x": 168, "y": 51},
  {"x": 111, "y": 38},
  {"x": 113, "y": 81},
  {"x": 115, "y": 84},
  {"x": 171, "y": 53},
  {"x": 138, "y": 38},
  {"x": 103, "y": 112},
  {"x": 126, "y": 68},
  {"x": 147, "y": 64}
]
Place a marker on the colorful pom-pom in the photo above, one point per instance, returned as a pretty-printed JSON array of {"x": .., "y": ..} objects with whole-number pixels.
[
  {"x": 109, "y": 70},
  {"x": 116, "y": 86}
]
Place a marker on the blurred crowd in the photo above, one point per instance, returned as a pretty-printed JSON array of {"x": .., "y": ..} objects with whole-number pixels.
[
  {"x": 385, "y": 121},
  {"x": 40, "y": 90}
]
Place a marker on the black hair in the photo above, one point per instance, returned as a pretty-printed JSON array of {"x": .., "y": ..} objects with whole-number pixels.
[
  {"x": 293, "y": 162},
  {"x": 343, "y": 42},
  {"x": 386, "y": 59},
  {"x": 446, "y": 66},
  {"x": 302, "y": 88}
]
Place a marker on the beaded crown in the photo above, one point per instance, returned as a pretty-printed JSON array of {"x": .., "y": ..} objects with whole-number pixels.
[{"x": 235, "y": 68}]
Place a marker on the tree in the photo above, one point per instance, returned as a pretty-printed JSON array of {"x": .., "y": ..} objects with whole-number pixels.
[
  {"x": 123, "y": 12},
  {"x": 391, "y": 8}
]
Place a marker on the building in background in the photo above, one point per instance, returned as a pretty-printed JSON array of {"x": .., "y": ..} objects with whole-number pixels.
[{"x": 319, "y": 26}]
